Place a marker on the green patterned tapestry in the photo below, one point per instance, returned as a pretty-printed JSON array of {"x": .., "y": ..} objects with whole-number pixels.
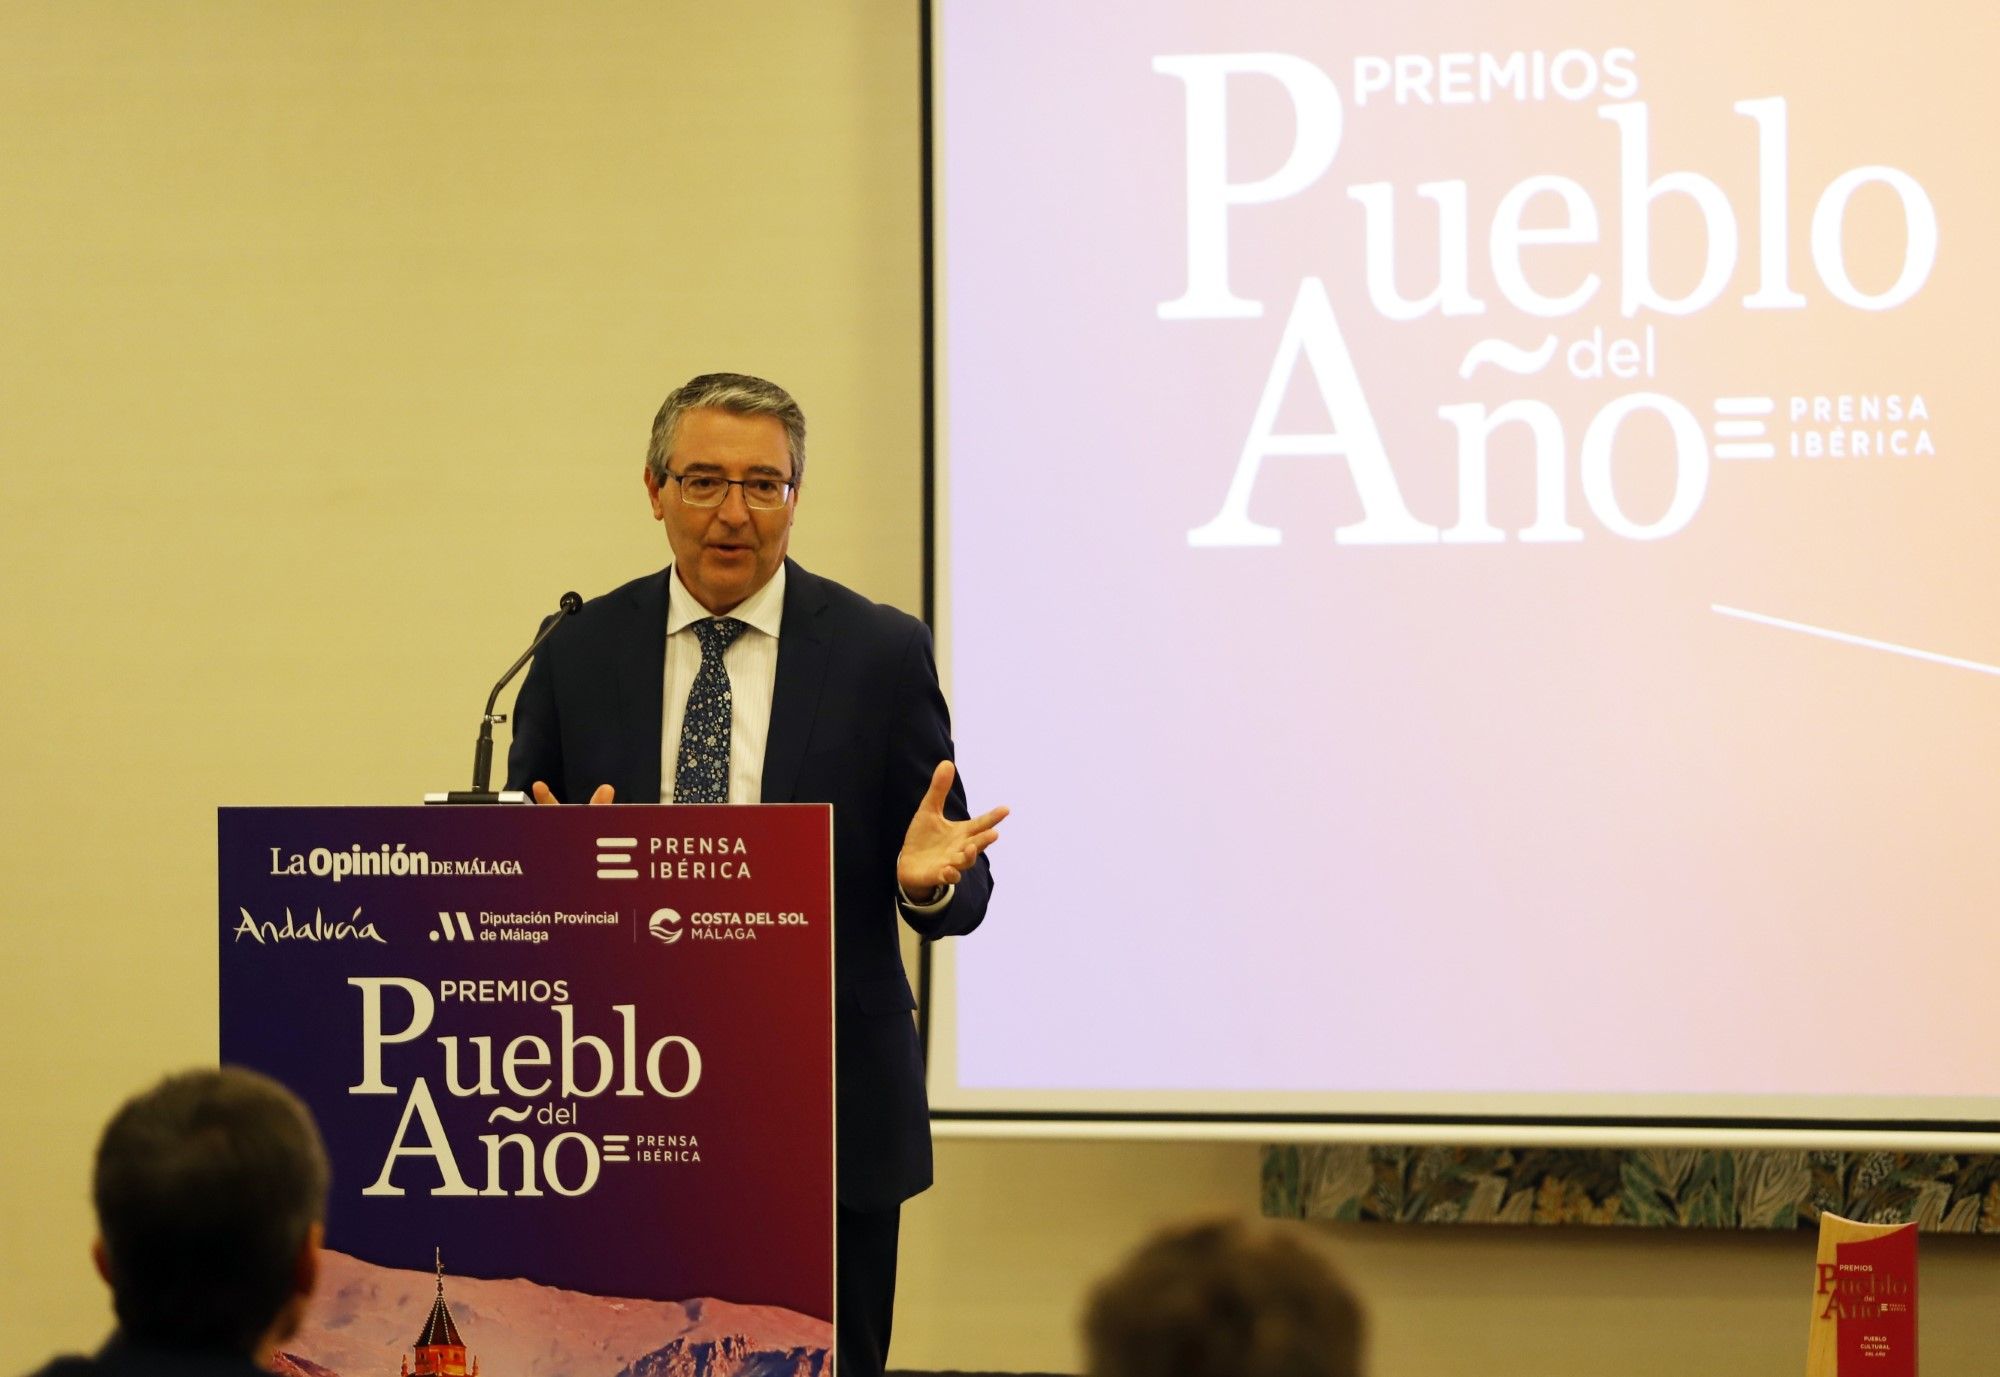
[{"x": 1646, "y": 1187}]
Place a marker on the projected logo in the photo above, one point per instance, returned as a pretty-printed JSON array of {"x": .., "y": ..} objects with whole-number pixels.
[{"x": 1560, "y": 329}]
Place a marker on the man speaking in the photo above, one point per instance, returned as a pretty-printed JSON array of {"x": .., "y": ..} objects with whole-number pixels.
[{"x": 735, "y": 676}]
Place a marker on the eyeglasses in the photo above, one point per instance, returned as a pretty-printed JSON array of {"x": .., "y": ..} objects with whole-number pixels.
[{"x": 709, "y": 490}]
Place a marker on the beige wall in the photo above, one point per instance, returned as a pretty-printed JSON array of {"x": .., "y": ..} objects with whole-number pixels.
[
  {"x": 329, "y": 333},
  {"x": 999, "y": 1256}
]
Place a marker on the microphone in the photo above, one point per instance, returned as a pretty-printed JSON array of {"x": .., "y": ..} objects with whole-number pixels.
[{"x": 482, "y": 751}]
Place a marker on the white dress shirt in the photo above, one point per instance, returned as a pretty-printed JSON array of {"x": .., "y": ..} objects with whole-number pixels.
[{"x": 752, "y": 662}]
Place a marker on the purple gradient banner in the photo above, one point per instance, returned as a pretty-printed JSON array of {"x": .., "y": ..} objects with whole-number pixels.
[{"x": 575, "y": 1072}]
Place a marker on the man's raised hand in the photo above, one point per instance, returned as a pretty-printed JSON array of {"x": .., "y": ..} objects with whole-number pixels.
[{"x": 937, "y": 851}]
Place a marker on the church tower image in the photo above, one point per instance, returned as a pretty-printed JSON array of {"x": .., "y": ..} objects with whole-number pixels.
[{"x": 440, "y": 1352}]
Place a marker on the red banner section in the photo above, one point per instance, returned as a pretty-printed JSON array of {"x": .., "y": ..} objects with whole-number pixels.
[{"x": 1864, "y": 1320}]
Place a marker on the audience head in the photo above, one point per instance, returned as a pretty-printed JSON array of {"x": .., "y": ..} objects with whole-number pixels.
[
  {"x": 210, "y": 1191},
  {"x": 1225, "y": 1298}
]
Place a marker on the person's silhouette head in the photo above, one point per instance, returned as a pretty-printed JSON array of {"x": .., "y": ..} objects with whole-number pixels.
[
  {"x": 211, "y": 1194},
  {"x": 1225, "y": 1298}
]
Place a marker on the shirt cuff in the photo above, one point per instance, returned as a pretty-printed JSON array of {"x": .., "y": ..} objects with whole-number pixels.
[{"x": 937, "y": 905}]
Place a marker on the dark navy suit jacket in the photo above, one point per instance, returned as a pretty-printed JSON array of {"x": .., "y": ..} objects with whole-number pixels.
[{"x": 857, "y": 721}]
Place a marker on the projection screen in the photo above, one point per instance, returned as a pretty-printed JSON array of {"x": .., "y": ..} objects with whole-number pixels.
[{"x": 1465, "y": 534}]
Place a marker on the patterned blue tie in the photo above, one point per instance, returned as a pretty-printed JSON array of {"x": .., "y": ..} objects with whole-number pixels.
[{"x": 701, "y": 773}]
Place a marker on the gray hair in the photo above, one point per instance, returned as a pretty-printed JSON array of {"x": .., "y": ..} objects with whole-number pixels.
[{"x": 737, "y": 393}]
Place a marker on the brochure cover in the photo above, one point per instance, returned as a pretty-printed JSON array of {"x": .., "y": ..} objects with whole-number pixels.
[{"x": 1864, "y": 1307}]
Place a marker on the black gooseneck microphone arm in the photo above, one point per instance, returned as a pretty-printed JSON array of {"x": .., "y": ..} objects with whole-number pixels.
[{"x": 482, "y": 753}]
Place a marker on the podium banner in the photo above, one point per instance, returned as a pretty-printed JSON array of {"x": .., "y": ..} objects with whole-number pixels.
[{"x": 574, "y": 1068}]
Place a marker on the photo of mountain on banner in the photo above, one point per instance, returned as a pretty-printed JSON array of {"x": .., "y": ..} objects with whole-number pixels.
[
  {"x": 621, "y": 1138},
  {"x": 518, "y": 1327}
]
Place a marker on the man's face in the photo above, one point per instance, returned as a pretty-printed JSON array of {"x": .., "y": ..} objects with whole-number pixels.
[{"x": 725, "y": 553}]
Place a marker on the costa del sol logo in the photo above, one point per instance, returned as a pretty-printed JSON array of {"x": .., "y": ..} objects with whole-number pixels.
[{"x": 665, "y": 925}]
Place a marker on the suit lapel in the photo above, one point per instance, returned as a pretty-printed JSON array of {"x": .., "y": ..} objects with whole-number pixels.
[
  {"x": 802, "y": 655},
  {"x": 640, "y": 672}
]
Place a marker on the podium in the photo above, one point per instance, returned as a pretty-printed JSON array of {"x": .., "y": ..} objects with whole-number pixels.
[{"x": 574, "y": 1068}]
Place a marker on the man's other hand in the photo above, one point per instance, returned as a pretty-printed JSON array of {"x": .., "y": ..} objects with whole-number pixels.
[
  {"x": 601, "y": 794},
  {"x": 937, "y": 851}
]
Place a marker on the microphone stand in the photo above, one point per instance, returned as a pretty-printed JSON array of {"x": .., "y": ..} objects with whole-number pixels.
[{"x": 482, "y": 751}]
